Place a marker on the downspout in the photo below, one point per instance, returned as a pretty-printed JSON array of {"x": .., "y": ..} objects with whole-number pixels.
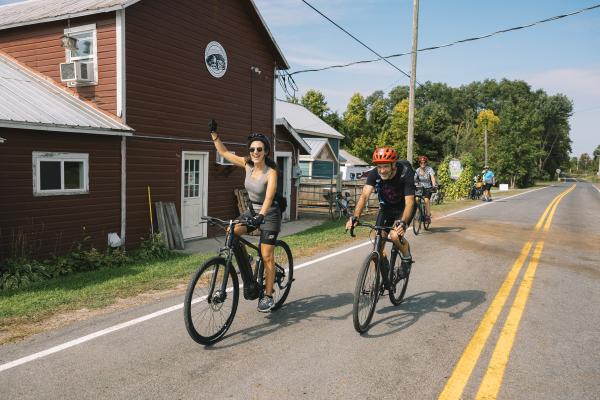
[
  {"x": 273, "y": 111},
  {"x": 121, "y": 113}
]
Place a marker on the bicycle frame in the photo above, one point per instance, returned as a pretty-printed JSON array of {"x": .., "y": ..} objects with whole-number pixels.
[
  {"x": 378, "y": 245},
  {"x": 233, "y": 248}
]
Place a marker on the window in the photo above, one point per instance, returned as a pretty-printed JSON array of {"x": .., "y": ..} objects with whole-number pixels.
[
  {"x": 86, "y": 49},
  {"x": 60, "y": 173}
]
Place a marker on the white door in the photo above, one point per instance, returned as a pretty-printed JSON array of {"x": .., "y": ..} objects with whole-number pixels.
[
  {"x": 284, "y": 181},
  {"x": 194, "y": 193}
]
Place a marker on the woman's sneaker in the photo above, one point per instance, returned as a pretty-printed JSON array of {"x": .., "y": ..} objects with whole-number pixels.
[{"x": 265, "y": 304}]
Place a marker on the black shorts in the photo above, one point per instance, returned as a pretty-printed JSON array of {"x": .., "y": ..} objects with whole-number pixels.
[
  {"x": 388, "y": 217},
  {"x": 427, "y": 193},
  {"x": 488, "y": 186}
]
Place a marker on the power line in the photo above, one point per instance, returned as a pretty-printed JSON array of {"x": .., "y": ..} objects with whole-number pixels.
[
  {"x": 471, "y": 39},
  {"x": 355, "y": 38}
]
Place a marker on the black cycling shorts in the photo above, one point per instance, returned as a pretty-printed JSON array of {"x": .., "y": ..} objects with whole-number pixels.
[
  {"x": 488, "y": 186},
  {"x": 388, "y": 217}
]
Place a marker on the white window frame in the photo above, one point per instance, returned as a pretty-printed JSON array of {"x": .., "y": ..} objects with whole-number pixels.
[
  {"x": 94, "y": 59},
  {"x": 39, "y": 156}
]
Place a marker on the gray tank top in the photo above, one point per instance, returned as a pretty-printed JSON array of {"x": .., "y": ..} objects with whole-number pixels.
[{"x": 256, "y": 187}]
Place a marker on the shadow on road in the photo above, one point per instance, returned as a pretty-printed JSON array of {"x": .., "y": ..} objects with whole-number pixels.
[
  {"x": 455, "y": 304},
  {"x": 306, "y": 309},
  {"x": 445, "y": 229}
]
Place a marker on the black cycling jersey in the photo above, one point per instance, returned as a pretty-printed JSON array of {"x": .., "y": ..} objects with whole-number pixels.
[{"x": 391, "y": 192}]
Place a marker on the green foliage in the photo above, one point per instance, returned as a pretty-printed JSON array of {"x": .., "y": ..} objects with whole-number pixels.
[
  {"x": 355, "y": 120},
  {"x": 22, "y": 271},
  {"x": 315, "y": 102},
  {"x": 457, "y": 189},
  {"x": 153, "y": 248}
]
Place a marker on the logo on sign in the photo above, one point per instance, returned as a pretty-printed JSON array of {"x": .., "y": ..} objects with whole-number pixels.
[{"x": 216, "y": 59}]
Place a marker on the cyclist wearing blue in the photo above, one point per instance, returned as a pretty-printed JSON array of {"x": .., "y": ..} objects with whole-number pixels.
[
  {"x": 489, "y": 179},
  {"x": 393, "y": 181},
  {"x": 261, "y": 184}
]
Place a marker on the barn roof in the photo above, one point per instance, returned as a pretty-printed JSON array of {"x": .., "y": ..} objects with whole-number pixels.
[{"x": 30, "y": 101}]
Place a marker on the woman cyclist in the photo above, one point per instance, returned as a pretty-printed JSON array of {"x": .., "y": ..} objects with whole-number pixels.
[
  {"x": 261, "y": 184},
  {"x": 426, "y": 177}
]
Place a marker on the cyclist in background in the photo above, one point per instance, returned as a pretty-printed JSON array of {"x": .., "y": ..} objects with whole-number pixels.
[
  {"x": 425, "y": 175},
  {"x": 393, "y": 181},
  {"x": 489, "y": 179}
]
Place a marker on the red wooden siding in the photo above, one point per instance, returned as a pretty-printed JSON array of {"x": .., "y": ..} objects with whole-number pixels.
[
  {"x": 38, "y": 47},
  {"x": 171, "y": 94},
  {"x": 54, "y": 223}
]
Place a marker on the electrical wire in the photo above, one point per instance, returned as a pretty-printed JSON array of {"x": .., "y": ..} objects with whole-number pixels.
[
  {"x": 471, "y": 39},
  {"x": 355, "y": 38}
]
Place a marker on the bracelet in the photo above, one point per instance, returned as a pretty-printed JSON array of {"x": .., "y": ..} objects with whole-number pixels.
[{"x": 215, "y": 138}]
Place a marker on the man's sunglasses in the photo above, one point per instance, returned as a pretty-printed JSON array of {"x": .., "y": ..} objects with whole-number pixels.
[{"x": 255, "y": 149}]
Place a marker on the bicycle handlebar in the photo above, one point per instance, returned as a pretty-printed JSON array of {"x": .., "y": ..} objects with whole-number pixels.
[
  {"x": 374, "y": 227},
  {"x": 217, "y": 221}
]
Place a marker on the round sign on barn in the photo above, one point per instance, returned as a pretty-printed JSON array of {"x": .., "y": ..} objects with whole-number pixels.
[{"x": 216, "y": 59}]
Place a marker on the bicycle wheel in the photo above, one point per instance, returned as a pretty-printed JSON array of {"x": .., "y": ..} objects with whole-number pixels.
[
  {"x": 284, "y": 276},
  {"x": 208, "y": 318},
  {"x": 366, "y": 293},
  {"x": 399, "y": 282},
  {"x": 417, "y": 220},
  {"x": 426, "y": 221}
]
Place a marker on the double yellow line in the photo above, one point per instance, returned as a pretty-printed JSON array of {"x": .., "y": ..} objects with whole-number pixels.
[{"x": 492, "y": 380}]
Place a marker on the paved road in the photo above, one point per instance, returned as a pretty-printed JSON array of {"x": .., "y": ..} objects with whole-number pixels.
[{"x": 539, "y": 338}]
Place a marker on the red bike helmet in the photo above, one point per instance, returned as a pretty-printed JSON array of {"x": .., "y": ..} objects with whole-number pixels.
[
  {"x": 385, "y": 155},
  {"x": 423, "y": 158}
]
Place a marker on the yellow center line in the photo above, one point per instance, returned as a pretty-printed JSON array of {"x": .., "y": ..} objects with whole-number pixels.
[
  {"x": 464, "y": 368},
  {"x": 490, "y": 386},
  {"x": 457, "y": 382},
  {"x": 549, "y": 220}
]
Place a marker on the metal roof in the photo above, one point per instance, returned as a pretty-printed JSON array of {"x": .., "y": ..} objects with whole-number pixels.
[
  {"x": 317, "y": 145},
  {"x": 38, "y": 11},
  {"x": 32, "y": 12},
  {"x": 30, "y": 101},
  {"x": 349, "y": 159},
  {"x": 304, "y": 147},
  {"x": 304, "y": 121}
]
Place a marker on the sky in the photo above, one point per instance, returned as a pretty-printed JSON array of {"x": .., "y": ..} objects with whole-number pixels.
[{"x": 561, "y": 56}]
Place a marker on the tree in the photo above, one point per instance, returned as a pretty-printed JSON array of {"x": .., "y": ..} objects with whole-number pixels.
[
  {"x": 315, "y": 102},
  {"x": 486, "y": 122},
  {"x": 355, "y": 119},
  {"x": 394, "y": 134}
]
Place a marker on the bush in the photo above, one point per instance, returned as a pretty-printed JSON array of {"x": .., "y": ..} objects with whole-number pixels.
[
  {"x": 21, "y": 272},
  {"x": 457, "y": 189},
  {"x": 153, "y": 248}
]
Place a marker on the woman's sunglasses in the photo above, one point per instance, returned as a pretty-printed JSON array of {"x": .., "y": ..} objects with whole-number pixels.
[{"x": 255, "y": 149}]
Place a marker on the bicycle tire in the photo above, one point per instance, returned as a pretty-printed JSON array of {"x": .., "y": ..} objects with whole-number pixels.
[
  {"x": 196, "y": 305},
  {"x": 399, "y": 281},
  {"x": 417, "y": 221},
  {"x": 284, "y": 276},
  {"x": 366, "y": 293}
]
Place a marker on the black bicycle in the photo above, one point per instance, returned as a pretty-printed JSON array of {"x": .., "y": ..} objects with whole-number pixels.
[
  {"x": 420, "y": 217},
  {"x": 212, "y": 295},
  {"x": 377, "y": 275},
  {"x": 340, "y": 205}
]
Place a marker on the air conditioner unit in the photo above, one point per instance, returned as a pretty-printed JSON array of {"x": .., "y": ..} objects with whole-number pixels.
[
  {"x": 77, "y": 72},
  {"x": 221, "y": 161}
]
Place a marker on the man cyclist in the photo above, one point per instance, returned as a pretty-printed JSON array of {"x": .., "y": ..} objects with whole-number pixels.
[{"x": 393, "y": 182}]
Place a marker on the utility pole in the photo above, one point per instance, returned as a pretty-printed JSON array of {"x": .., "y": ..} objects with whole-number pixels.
[
  {"x": 485, "y": 143},
  {"x": 413, "y": 81}
]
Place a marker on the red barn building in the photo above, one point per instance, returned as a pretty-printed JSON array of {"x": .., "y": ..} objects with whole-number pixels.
[{"x": 87, "y": 130}]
